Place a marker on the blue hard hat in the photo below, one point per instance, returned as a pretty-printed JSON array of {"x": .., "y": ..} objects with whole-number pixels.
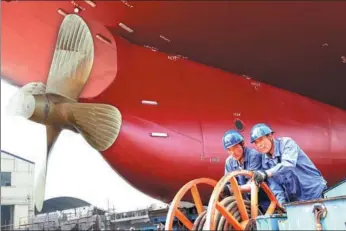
[
  {"x": 231, "y": 138},
  {"x": 259, "y": 130}
]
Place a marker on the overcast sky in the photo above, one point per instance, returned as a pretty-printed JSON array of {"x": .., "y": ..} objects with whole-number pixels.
[{"x": 75, "y": 169}]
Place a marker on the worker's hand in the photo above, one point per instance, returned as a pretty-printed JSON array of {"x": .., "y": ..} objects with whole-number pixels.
[
  {"x": 282, "y": 207},
  {"x": 259, "y": 177}
]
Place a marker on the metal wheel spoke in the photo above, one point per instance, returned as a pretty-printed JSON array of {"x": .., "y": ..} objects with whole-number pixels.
[
  {"x": 254, "y": 200},
  {"x": 239, "y": 198},
  {"x": 229, "y": 217},
  {"x": 187, "y": 223},
  {"x": 197, "y": 199},
  {"x": 272, "y": 198}
]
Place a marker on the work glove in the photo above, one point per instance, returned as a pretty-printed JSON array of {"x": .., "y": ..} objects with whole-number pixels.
[{"x": 259, "y": 177}]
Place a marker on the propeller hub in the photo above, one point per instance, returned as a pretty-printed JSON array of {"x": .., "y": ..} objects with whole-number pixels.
[{"x": 21, "y": 104}]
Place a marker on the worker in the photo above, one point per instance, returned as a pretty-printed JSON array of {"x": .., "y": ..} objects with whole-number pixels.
[
  {"x": 242, "y": 158},
  {"x": 288, "y": 165}
]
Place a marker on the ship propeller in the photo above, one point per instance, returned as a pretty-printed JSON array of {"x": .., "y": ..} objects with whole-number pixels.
[{"x": 56, "y": 105}]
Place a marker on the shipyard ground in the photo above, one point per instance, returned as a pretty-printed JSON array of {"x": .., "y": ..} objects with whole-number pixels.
[{"x": 325, "y": 214}]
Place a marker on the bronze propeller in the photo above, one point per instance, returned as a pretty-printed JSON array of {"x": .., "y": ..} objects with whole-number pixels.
[{"x": 56, "y": 105}]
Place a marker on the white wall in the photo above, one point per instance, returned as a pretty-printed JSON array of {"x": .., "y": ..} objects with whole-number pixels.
[
  {"x": 20, "y": 215},
  {"x": 20, "y": 193}
]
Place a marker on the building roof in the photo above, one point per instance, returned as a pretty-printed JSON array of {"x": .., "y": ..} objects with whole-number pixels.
[
  {"x": 61, "y": 203},
  {"x": 18, "y": 157}
]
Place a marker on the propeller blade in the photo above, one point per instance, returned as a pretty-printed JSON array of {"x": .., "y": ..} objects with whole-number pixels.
[
  {"x": 99, "y": 124},
  {"x": 72, "y": 60},
  {"x": 52, "y": 134}
]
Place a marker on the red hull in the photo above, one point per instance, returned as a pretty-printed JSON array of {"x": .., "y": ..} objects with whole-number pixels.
[{"x": 196, "y": 103}]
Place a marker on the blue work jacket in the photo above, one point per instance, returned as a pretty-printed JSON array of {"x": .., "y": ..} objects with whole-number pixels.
[{"x": 295, "y": 176}]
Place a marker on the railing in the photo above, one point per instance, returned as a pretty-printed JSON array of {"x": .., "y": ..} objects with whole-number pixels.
[
  {"x": 81, "y": 219},
  {"x": 7, "y": 227},
  {"x": 140, "y": 214},
  {"x": 53, "y": 221}
]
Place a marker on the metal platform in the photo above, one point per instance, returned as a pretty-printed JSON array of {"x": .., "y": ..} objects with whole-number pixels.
[
  {"x": 336, "y": 190},
  {"x": 328, "y": 213},
  {"x": 301, "y": 215}
]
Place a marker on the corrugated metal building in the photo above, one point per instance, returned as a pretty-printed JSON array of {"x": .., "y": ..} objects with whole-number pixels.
[{"x": 17, "y": 181}]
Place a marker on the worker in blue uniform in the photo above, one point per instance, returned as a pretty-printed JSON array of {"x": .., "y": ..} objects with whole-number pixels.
[
  {"x": 242, "y": 158},
  {"x": 288, "y": 165}
]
